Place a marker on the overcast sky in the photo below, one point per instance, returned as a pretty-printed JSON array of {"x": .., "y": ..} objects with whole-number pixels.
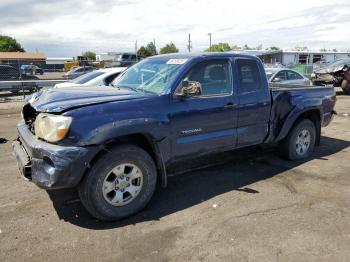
[{"x": 68, "y": 27}]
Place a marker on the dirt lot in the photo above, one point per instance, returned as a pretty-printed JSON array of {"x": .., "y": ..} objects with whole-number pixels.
[
  {"x": 51, "y": 75},
  {"x": 253, "y": 207}
]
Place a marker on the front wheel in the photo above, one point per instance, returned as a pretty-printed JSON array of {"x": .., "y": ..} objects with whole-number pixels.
[
  {"x": 119, "y": 184},
  {"x": 300, "y": 142}
]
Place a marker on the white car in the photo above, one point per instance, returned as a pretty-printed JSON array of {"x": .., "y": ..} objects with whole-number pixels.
[
  {"x": 286, "y": 76},
  {"x": 101, "y": 77}
]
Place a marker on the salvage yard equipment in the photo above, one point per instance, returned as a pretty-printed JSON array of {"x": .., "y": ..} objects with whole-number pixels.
[{"x": 336, "y": 74}]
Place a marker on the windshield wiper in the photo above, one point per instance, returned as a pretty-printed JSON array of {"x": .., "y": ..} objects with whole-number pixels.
[
  {"x": 129, "y": 87},
  {"x": 134, "y": 89}
]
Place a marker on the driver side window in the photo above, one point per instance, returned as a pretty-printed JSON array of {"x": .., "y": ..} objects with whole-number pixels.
[
  {"x": 281, "y": 76},
  {"x": 214, "y": 77},
  {"x": 294, "y": 76}
]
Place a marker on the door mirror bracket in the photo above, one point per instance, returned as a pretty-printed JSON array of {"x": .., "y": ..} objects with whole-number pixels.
[{"x": 189, "y": 88}]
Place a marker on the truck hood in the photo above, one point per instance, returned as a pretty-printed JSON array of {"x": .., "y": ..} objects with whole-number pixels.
[
  {"x": 329, "y": 70},
  {"x": 61, "y": 99}
]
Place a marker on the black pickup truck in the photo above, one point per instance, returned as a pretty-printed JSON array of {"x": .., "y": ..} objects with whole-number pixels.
[{"x": 115, "y": 143}]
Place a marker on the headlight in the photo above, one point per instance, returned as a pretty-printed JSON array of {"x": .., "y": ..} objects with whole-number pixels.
[{"x": 51, "y": 128}]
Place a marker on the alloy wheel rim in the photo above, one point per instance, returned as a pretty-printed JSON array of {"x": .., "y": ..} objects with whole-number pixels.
[
  {"x": 303, "y": 142},
  {"x": 122, "y": 184}
]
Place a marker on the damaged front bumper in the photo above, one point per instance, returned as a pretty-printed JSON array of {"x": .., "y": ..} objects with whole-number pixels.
[
  {"x": 50, "y": 166},
  {"x": 323, "y": 79}
]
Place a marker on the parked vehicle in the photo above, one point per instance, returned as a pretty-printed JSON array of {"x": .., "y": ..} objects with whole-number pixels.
[
  {"x": 336, "y": 74},
  {"x": 9, "y": 73},
  {"x": 125, "y": 59},
  {"x": 31, "y": 70},
  {"x": 114, "y": 144},
  {"x": 286, "y": 76},
  {"x": 101, "y": 77},
  {"x": 78, "y": 71}
]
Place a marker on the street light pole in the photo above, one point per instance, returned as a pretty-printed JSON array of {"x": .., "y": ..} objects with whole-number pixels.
[
  {"x": 209, "y": 34},
  {"x": 189, "y": 43}
]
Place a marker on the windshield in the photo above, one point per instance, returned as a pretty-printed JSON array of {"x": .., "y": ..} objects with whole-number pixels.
[
  {"x": 86, "y": 77},
  {"x": 150, "y": 75},
  {"x": 269, "y": 74}
]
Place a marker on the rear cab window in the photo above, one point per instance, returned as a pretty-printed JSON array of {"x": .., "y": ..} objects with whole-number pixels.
[
  {"x": 249, "y": 79},
  {"x": 125, "y": 57}
]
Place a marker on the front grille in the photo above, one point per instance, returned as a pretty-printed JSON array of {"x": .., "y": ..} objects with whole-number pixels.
[{"x": 29, "y": 116}]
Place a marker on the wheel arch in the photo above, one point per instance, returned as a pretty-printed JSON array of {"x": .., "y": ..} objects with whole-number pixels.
[
  {"x": 313, "y": 114},
  {"x": 144, "y": 141}
]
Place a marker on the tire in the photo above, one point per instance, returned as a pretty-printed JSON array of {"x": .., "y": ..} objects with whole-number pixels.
[
  {"x": 94, "y": 188},
  {"x": 291, "y": 148},
  {"x": 345, "y": 86}
]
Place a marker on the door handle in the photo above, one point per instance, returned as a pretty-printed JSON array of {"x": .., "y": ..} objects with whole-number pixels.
[{"x": 230, "y": 106}]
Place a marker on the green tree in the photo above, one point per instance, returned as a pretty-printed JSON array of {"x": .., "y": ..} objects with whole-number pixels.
[
  {"x": 9, "y": 44},
  {"x": 90, "y": 55},
  {"x": 246, "y": 47},
  {"x": 273, "y": 48},
  {"x": 151, "y": 48},
  {"x": 143, "y": 52},
  {"x": 220, "y": 47},
  {"x": 168, "y": 48},
  {"x": 236, "y": 47}
]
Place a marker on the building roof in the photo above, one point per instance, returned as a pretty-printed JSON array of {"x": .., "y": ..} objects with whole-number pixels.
[
  {"x": 59, "y": 58},
  {"x": 254, "y": 52},
  {"x": 315, "y": 52},
  {"x": 21, "y": 55}
]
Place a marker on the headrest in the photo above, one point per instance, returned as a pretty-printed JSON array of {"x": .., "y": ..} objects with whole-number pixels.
[{"x": 217, "y": 73}]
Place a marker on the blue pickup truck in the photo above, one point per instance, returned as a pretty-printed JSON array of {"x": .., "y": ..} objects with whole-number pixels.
[{"x": 115, "y": 144}]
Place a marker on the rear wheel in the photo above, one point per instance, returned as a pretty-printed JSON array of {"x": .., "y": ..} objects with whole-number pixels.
[
  {"x": 345, "y": 86},
  {"x": 300, "y": 142},
  {"x": 119, "y": 184}
]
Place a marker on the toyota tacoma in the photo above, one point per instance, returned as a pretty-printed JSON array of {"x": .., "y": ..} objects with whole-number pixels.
[{"x": 115, "y": 144}]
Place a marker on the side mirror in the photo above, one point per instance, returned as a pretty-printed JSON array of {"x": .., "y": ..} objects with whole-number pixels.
[
  {"x": 277, "y": 79},
  {"x": 190, "y": 88}
]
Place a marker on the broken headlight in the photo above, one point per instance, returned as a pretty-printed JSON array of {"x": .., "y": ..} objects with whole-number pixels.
[{"x": 51, "y": 128}]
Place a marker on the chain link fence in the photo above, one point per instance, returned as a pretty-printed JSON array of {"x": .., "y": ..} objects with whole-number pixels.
[
  {"x": 304, "y": 69},
  {"x": 26, "y": 76}
]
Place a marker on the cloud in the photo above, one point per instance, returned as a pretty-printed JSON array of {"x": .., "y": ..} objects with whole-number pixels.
[{"x": 69, "y": 27}]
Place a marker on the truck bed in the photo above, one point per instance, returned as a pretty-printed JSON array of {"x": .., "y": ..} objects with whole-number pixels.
[
  {"x": 276, "y": 86},
  {"x": 286, "y": 99}
]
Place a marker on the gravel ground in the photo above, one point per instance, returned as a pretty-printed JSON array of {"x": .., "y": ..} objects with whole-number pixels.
[{"x": 254, "y": 206}]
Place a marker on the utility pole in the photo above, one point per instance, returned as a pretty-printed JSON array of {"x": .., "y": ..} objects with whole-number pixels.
[
  {"x": 136, "y": 49},
  {"x": 209, "y": 34},
  {"x": 154, "y": 43},
  {"x": 189, "y": 46}
]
